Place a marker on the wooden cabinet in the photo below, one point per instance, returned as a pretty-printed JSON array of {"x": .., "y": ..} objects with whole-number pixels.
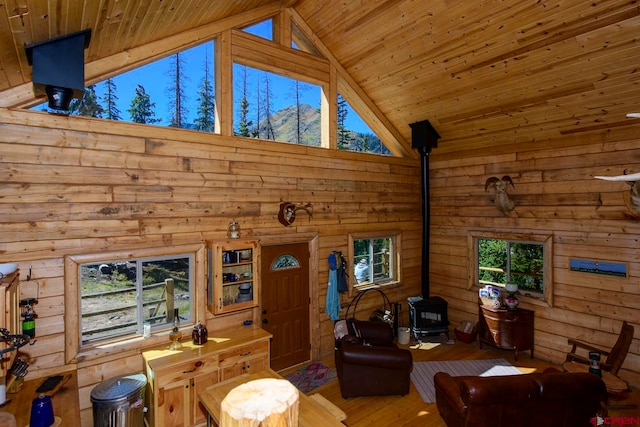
[
  {"x": 9, "y": 313},
  {"x": 176, "y": 377},
  {"x": 508, "y": 329},
  {"x": 234, "y": 275},
  {"x": 244, "y": 360}
]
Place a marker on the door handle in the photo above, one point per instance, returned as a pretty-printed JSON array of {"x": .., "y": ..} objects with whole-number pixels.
[
  {"x": 264, "y": 311},
  {"x": 265, "y": 321}
]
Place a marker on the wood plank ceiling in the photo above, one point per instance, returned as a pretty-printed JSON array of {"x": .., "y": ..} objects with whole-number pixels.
[{"x": 483, "y": 72}]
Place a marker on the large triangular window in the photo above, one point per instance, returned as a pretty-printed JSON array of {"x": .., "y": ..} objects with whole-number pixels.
[
  {"x": 354, "y": 134},
  {"x": 175, "y": 91}
]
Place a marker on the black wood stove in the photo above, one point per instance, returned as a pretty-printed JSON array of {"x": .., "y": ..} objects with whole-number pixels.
[{"x": 427, "y": 314}]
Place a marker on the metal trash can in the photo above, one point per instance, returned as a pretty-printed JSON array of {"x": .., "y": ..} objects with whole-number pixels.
[{"x": 119, "y": 401}]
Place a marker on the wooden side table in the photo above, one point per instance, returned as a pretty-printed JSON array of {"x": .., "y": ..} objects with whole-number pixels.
[{"x": 507, "y": 329}]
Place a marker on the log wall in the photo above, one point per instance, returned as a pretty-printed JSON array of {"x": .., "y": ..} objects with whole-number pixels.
[
  {"x": 74, "y": 185},
  {"x": 555, "y": 193}
]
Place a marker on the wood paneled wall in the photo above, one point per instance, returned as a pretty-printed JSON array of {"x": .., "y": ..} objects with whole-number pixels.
[
  {"x": 73, "y": 185},
  {"x": 555, "y": 193}
]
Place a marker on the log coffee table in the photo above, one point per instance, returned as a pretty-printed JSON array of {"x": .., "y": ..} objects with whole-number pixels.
[{"x": 311, "y": 412}]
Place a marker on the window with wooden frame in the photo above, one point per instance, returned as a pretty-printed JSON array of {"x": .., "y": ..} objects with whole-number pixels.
[
  {"x": 111, "y": 296},
  {"x": 374, "y": 258},
  {"x": 206, "y": 102},
  {"x": 510, "y": 258}
]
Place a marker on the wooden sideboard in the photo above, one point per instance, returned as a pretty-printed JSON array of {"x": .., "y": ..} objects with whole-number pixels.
[
  {"x": 508, "y": 329},
  {"x": 176, "y": 377}
]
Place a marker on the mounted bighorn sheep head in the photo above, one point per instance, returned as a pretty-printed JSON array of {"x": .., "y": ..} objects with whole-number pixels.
[
  {"x": 502, "y": 200},
  {"x": 633, "y": 200},
  {"x": 287, "y": 213}
]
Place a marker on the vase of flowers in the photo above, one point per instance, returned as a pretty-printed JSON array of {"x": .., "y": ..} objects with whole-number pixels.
[{"x": 511, "y": 300}]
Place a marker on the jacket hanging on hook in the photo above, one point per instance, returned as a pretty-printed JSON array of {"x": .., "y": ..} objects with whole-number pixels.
[
  {"x": 341, "y": 272},
  {"x": 333, "y": 299}
]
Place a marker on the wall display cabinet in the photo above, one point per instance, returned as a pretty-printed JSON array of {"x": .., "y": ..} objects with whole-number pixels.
[
  {"x": 176, "y": 377},
  {"x": 508, "y": 329},
  {"x": 234, "y": 275}
]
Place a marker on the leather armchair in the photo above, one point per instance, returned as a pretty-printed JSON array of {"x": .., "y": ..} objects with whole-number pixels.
[
  {"x": 541, "y": 399},
  {"x": 369, "y": 363}
]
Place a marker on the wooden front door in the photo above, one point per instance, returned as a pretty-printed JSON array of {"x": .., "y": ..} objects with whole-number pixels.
[{"x": 285, "y": 302}]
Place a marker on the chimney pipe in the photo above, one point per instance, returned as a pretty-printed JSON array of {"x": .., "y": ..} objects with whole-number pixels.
[{"x": 424, "y": 137}]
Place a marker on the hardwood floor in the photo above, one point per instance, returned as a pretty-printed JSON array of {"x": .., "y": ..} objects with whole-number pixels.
[{"x": 410, "y": 410}]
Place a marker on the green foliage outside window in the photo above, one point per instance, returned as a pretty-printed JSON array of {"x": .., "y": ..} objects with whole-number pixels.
[
  {"x": 503, "y": 261},
  {"x": 373, "y": 260}
]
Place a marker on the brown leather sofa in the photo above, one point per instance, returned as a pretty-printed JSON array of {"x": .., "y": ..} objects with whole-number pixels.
[
  {"x": 541, "y": 399},
  {"x": 368, "y": 362}
]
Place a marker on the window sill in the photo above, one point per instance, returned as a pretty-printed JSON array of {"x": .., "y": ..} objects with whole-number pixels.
[
  {"x": 368, "y": 286},
  {"x": 134, "y": 344}
]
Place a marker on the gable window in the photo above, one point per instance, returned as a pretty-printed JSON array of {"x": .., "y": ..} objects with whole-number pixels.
[
  {"x": 354, "y": 134},
  {"x": 112, "y": 297},
  {"x": 508, "y": 258},
  {"x": 375, "y": 259},
  {"x": 180, "y": 95},
  {"x": 271, "y": 106}
]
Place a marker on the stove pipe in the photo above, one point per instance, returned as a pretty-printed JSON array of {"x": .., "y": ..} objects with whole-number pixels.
[{"x": 424, "y": 137}]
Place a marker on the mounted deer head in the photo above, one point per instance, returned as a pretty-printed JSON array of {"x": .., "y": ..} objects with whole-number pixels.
[
  {"x": 287, "y": 213},
  {"x": 502, "y": 200},
  {"x": 634, "y": 193}
]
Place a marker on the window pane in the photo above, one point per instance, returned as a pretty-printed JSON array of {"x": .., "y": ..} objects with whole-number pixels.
[
  {"x": 354, "y": 134},
  {"x": 117, "y": 297},
  {"x": 373, "y": 260},
  {"x": 262, "y": 29},
  {"x": 502, "y": 261},
  {"x": 526, "y": 266},
  {"x": 180, "y": 94},
  {"x": 108, "y": 300},
  {"x": 492, "y": 261},
  {"x": 271, "y": 106},
  {"x": 165, "y": 288}
]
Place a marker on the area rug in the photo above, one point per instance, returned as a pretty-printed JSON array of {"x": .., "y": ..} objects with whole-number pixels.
[
  {"x": 311, "y": 376},
  {"x": 423, "y": 372}
]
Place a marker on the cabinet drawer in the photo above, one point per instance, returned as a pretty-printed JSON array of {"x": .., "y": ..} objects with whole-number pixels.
[
  {"x": 190, "y": 369},
  {"x": 243, "y": 353}
]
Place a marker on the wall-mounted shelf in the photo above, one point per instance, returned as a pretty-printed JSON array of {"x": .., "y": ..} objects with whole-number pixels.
[{"x": 234, "y": 276}]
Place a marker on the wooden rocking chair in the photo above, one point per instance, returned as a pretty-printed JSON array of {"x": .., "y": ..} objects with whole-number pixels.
[{"x": 614, "y": 357}]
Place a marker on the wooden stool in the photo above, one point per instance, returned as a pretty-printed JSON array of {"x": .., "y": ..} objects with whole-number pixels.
[{"x": 265, "y": 402}]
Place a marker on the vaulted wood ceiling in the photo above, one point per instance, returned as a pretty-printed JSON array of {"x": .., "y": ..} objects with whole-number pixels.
[{"x": 482, "y": 72}]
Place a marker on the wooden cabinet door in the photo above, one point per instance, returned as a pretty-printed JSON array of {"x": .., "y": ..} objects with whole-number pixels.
[
  {"x": 234, "y": 275},
  {"x": 174, "y": 405},
  {"x": 256, "y": 365},
  {"x": 199, "y": 384}
]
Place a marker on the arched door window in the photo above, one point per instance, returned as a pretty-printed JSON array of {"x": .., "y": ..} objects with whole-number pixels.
[{"x": 285, "y": 262}]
